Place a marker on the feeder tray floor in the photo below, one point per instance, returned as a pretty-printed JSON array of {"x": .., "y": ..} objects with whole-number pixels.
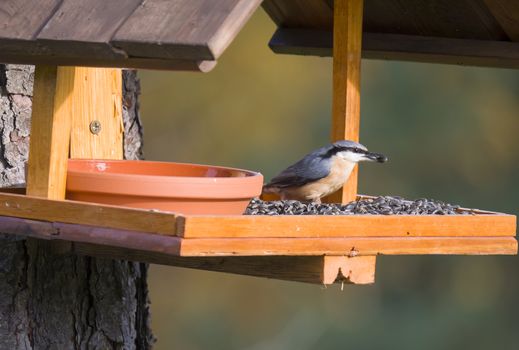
[{"x": 202, "y": 241}]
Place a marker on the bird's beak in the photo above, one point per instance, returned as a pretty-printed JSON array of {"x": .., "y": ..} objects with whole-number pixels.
[{"x": 376, "y": 157}]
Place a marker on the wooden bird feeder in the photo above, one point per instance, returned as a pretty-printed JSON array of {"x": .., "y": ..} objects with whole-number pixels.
[{"x": 71, "y": 102}]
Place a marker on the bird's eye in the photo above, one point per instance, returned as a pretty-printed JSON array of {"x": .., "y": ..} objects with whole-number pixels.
[{"x": 356, "y": 150}]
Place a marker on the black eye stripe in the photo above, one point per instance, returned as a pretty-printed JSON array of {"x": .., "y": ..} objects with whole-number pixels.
[
  {"x": 357, "y": 150},
  {"x": 338, "y": 148}
]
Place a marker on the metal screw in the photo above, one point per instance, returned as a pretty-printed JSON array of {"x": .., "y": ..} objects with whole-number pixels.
[{"x": 95, "y": 127}]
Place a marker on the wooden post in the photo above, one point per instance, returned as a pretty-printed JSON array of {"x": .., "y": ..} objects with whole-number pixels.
[
  {"x": 347, "y": 48},
  {"x": 77, "y": 111},
  {"x": 97, "y": 124},
  {"x": 347, "y": 38},
  {"x": 50, "y": 131},
  {"x": 323, "y": 270}
]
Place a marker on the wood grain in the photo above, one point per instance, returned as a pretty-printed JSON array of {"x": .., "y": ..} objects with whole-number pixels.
[
  {"x": 231, "y": 26},
  {"x": 482, "y": 224},
  {"x": 443, "y": 50},
  {"x": 19, "y": 55},
  {"x": 307, "y": 42},
  {"x": 116, "y": 238},
  {"x": 403, "y": 47},
  {"x": 463, "y": 19},
  {"x": 66, "y": 100},
  {"x": 308, "y": 269},
  {"x": 87, "y": 21},
  {"x": 347, "y": 46},
  {"x": 290, "y": 226},
  {"x": 130, "y": 245},
  {"x": 189, "y": 35},
  {"x": 161, "y": 34},
  {"x": 355, "y": 270},
  {"x": 21, "y": 19},
  {"x": 183, "y": 29},
  {"x": 506, "y": 13},
  {"x": 50, "y": 131},
  {"x": 351, "y": 246},
  {"x": 161, "y": 249},
  {"x": 113, "y": 217},
  {"x": 81, "y": 27},
  {"x": 97, "y": 97},
  {"x": 300, "y": 13},
  {"x": 468, "y": 19}
]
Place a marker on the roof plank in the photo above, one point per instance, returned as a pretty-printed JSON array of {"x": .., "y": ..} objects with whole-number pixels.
[
  {"x": 77, "y": 22},
  {"x": 300, "y": 13},
  {"x": 506, "y": 13},
  {"x": 93, "y": 20},
  {"x": 169, "y": 34},
  {"x": 467, "y": 19},
  {"x": 180, "y": 29},
  {"x": 503, "y": 54},
  {"x": 21, "y": 19},
  {"x": 24, "y": 52},
  {"x": 192, "y": 34}
]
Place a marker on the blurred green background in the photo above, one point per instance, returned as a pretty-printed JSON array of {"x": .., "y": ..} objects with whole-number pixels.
[{"x": 451, "y": 133}]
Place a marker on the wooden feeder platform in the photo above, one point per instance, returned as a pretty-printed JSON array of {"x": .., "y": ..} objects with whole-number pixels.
[
  {"x": 60, "y": 37},
  {"x": 165, "y": 238}
]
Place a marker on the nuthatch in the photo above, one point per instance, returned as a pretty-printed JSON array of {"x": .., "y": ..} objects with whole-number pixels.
[{"x": 321, "y": 172}]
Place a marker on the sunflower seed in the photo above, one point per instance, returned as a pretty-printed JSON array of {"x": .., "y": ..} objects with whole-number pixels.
[{"x": 382, "y": 205}]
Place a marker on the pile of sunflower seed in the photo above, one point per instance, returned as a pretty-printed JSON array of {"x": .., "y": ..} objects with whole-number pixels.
[{"x": 383, "y": 205}]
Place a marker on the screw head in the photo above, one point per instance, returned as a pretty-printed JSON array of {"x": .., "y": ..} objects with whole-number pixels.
[{"x": 95, "y": 127}]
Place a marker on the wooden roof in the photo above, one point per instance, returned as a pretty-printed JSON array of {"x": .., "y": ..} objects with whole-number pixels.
[
  {"x": 474, "y": 32},
  {"x": 164, "y": 34},
  {"x": 192, "y": 34}
]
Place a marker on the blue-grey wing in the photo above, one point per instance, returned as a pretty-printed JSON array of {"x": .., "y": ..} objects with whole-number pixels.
[{"x": 311, "y": 168}]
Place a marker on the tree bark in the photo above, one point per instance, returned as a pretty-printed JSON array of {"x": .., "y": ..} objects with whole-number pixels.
[{"x": 53, "y": 300}]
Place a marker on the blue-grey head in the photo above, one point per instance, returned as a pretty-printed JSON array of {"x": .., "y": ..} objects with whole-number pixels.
[{"x": 354, "y": 152}]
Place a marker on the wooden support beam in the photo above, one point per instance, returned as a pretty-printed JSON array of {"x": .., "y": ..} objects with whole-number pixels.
[
  {"x": 313, "y": 226},
  {"x": 66, "y": 102},
  {"x": 50, "y": 131},
  {"x": 97, "y": 124},
  {"x": 506, "y": 12},
  {"x": 347, "y": 40},
  {"x": 151, "y": 244},
  {"x": 44, "y": 58},
  {"x": 355, "y": 270},
  {"x": 399, "y": 47},
  {"x": 347, "y": 49},
  {"x": 308, "y": 269},
  {"x": 82, "y": 213},
  {"x": 350, "y": 246}
]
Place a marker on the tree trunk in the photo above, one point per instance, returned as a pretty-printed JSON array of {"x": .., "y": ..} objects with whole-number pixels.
[{"x": 52, "y": 300}]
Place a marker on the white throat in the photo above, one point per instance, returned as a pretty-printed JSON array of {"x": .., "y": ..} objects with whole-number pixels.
[{"x": 341, "y": 169}]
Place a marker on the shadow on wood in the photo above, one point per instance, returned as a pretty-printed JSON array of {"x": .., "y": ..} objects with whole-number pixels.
[{"x": 309, "y": 269}]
